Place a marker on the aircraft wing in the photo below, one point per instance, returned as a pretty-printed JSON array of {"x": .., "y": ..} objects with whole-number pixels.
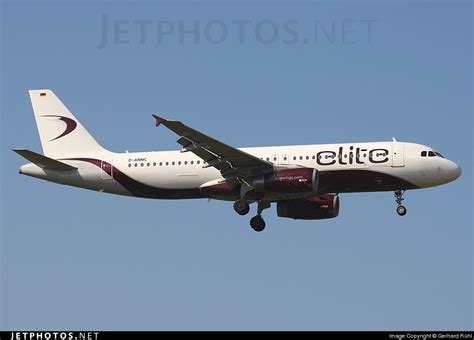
[{"x": 234, "y": 164}]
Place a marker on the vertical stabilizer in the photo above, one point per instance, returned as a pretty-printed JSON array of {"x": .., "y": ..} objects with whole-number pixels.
[{"x": 60, "y": 132}]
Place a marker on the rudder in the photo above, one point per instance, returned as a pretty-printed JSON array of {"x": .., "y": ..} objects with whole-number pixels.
[{"x": 60, "y": 132}]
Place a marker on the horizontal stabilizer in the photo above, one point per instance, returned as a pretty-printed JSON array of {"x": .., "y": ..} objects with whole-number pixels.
[{"x": 43, "y": 161}]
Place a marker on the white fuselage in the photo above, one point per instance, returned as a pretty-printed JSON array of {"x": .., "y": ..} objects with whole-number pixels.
[
  {"x": 304, "y": 180},
  {"x": 354, "y": 167}
]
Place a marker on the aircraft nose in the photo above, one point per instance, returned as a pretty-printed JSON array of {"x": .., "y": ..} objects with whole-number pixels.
[
  {"x": 454, "y": 171},
  {"x": 457, "y": 171}
]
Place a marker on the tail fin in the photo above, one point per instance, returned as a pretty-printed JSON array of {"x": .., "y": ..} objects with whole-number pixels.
[{"x": 60, "y": 132}]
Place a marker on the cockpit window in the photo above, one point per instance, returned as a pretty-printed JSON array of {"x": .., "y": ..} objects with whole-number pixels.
[{"x": 431, "y": 154}]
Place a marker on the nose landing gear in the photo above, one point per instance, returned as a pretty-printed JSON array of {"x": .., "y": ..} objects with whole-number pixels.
[{"x": 401, "y": 210}]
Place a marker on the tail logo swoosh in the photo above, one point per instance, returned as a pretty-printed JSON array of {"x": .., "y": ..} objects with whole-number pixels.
[{"x": 71, "y": 125}]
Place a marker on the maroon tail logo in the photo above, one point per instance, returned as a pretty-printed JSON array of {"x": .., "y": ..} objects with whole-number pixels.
[{"x": 70, "y": 125}]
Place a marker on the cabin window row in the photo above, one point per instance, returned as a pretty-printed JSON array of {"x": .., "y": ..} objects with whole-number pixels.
[
  {"x": 268, "y": 159},
  {"x": 326, "y": 156},
  {"x": 169, "y": 163}
]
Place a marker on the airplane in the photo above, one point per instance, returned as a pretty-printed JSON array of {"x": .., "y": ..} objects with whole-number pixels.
[{"x": 304, "y": 181}]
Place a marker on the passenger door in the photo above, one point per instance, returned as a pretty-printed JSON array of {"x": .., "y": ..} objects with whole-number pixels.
[
  {"x": 106, "y": 168},
  {"x": 398, "y": 159}
]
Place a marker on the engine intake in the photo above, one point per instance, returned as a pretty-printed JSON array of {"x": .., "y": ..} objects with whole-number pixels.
[
  {"x": 314, "y": 208},
  {"x": 297, "y": 180}
]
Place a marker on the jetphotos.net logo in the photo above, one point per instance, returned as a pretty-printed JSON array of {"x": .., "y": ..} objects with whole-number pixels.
[
  {"x": 234, "y": 32},
  {"x": 53, "y": 336}
]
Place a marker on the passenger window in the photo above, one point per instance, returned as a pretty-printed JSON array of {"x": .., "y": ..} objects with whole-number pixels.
[
  {"x": 268, "y": 159},
  {"x": 136, "y": 165},
  {"x": 423, "y": 154},
  {"x": 154, "y": 163},
  {"x": 142, "y": 164},
  {"x": 301, "y": 158},
  {"x": 185, "y": 162},
  {"x": 198, "y": 162},
  {"x": 167, "y": 163},
  {"x": 431, "y": 154},
  {"x": 284, "y": 158},
  {"x": 147, "y": 164},
  {"x": 314, "y": 157},
  {"x": 294, "y": 158},
  {"x": 307, "y": 157},
  {"x": 172, "y": 163},
  {"x": 192, "y": 162},
  {"x": 179, "y": 163},
  {"x": 161, "y": 163}
]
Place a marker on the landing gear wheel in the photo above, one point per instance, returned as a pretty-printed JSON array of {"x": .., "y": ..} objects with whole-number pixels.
[
  {"x": 257, "y": 223},
  {"x": 401, "y": 210},
  {"x": 241, "y": 207}
]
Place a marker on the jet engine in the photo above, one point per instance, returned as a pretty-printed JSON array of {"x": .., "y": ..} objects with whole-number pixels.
[
  {"x": 314, "y": 208},
  {"x": 295, "y": 180}
]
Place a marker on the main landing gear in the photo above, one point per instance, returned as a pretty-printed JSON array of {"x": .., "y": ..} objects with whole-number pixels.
[
  {"x": 257, "y": 223},
  {"x": 401, "y": 210},
  {"x": 241, "y": 207}
]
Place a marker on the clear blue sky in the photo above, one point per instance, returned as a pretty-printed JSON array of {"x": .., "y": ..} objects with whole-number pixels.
[{"x": 76, "y": 259}]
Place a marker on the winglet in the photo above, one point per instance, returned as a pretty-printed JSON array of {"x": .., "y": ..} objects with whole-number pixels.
[{"x": 158, "y": 120}]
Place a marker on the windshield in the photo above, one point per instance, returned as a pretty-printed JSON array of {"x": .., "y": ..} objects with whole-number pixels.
[{"x": 430, "y": 153}]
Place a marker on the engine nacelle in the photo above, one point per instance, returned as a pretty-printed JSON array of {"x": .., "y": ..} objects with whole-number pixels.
[
  {"x": 314, "y": 208},
  {"x": 296, "y": 180}
]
